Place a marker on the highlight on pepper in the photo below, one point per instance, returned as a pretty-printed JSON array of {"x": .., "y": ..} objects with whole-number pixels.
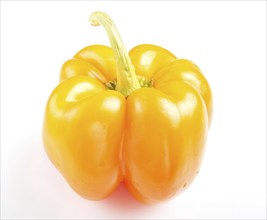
[{"x": 140, "y": 118}]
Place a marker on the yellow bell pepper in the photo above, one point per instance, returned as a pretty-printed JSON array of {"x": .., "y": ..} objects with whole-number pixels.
[{"x": 140, "y": 117}]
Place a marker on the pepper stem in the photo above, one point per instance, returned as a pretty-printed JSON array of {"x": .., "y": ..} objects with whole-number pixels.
[{"x": 127, "y": 80}]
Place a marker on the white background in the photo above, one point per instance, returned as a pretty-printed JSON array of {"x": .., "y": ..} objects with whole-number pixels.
[{"x": 227, "y": 40}]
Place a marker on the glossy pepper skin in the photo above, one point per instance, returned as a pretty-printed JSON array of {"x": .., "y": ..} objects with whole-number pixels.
[{"x": 152, "y": 138}]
